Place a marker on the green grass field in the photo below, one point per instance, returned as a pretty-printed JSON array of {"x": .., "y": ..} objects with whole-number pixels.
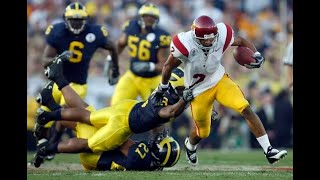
[{"x": 213, "y": 164}]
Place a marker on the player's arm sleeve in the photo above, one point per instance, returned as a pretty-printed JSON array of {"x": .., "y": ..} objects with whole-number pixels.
[
  {"x": 226, "y": 34},
  {"x": 50, "y": 36},
  {"x": 126, "y": 27},
  {"x": 178, "y": 49}
]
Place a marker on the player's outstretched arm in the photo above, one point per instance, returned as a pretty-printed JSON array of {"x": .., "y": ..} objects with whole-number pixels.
[{"x": 172, "y": 111}]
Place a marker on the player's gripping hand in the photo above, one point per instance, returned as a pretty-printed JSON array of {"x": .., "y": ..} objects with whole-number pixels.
[
  {"x": 114, "y": 78},
  {"x": 187, "y": 95},
  {"x": 141, "y": 67},
  {"x": 259, "y": 61},
  {"x": 158, "y": 94}
]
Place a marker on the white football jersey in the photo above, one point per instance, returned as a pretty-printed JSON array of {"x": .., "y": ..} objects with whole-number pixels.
[{"x": 201, "y": 71}]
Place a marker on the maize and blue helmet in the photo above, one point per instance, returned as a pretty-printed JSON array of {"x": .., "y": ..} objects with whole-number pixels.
[
  {"x": 75, "y": 17},
  {"x": 150, "y": 10}
]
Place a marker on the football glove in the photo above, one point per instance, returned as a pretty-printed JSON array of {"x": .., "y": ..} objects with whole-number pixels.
[
  {"x": 157, "y": 96},
  {"x": 187, "y": 95},
  {"x": 114, "y": 78},
  {"x": 214, "y": 115},
  {"x": 141, "y": 67},
  {"x": 111, "y": 71},
  {"x": 259, "y": 61}
]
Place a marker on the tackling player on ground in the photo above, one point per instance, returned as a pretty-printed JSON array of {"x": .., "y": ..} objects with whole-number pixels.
[{"x": 117, "y": 123}]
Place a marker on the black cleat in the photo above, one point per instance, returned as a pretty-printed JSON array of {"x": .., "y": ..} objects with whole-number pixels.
[
  {"x": 191, "y": 155},
  {"x": 55, "y": 70},
  {"x": 42, "y": 117},
  {"x": 41, "y": 154},
  {"x": 45, "y": 95},
  {"x": 50, "y": 157},
  {"x": 274, "y": 155},
  {"x": 65, "y": 56},
  {"x": 41, "y": 121}
]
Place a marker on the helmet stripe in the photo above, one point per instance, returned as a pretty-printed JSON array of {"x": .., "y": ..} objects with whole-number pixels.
[
  {"x": 178, "y": 154},
  {"x": 167, "y": 142}
]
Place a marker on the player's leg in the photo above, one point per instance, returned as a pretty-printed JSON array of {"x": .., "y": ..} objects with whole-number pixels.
[
  {"x": 201, "y": 108},
  {"x": 73, "y": 95},
  {"x": 230, "y": 95},
  {"x": 110, "y": 136},
  {"x": 117, "y": 129},
  {"x": 125, "y": 88},
  {"x": 65, "y": 114}
]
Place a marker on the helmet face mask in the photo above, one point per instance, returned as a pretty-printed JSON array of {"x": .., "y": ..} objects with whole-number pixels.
[
  {"x": 75, "y": 17},
  {"x": 204, "y": 32},
  {"x": 76, "y": 25},
  {"x": 149, "y": 16}
]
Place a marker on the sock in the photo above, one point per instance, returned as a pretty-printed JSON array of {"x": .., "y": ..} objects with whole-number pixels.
[
  {"x": 52, "y": 105},
  {"x": 190, "y": 146},
  {"x": 54, "y": 115},
  {"x": 264, "y": 142},
  {"x": 54, "y": 134},
  {"x": 52, "y": 148},
  {"x": 61, "y": 82}
]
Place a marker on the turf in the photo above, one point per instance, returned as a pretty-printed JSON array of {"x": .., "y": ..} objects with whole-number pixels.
[{"x": 213, "y": 164}]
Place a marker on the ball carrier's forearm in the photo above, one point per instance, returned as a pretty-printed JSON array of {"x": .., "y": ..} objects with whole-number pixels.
[{"x": 170, "y": 64}]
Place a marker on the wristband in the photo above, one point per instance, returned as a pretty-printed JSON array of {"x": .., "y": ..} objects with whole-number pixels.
[
  {"x": 152, "y": 67},
  {"x": 164, "y": 85}
]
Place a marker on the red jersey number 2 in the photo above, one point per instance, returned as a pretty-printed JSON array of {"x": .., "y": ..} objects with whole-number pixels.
[{"x": 199, "y": 77}]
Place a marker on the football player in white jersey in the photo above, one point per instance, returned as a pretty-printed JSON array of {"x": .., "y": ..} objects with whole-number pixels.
[{"x": 201, "y": 50}]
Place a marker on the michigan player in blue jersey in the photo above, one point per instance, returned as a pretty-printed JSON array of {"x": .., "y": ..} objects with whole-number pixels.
[
  {"x": 148, "y": 45},
  {"x": 115, "y": 124},
  {"x": 82, "y": 40},
  {"x": 160, "y": 152}
]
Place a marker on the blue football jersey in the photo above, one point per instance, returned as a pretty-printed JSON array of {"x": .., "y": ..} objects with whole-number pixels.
[
  {"x": 83, "y": 46},
  {"x": 144, "y": 47},
  {"x": 139, "y": 158},
  {"x": 144, "y": 115}
]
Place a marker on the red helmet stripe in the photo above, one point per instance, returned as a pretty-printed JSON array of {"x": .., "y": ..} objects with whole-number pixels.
[
  {"x": 176, "y": 41},
  {"x": 228, "y": 38}
]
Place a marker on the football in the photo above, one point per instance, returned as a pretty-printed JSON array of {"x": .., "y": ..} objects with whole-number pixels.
[{"x": 243, "y": 55}]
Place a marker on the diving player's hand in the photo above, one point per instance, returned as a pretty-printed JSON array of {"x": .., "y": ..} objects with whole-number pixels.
[
  {"x": 114, "y": 78},
  {"x": 141, "y": 67},
  {"x": 158, "y": 94},
  {"x": 187, "y": 95}
]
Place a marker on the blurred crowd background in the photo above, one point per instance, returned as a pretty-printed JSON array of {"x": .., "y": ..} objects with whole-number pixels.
[{"x": 267, "y": 23}]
